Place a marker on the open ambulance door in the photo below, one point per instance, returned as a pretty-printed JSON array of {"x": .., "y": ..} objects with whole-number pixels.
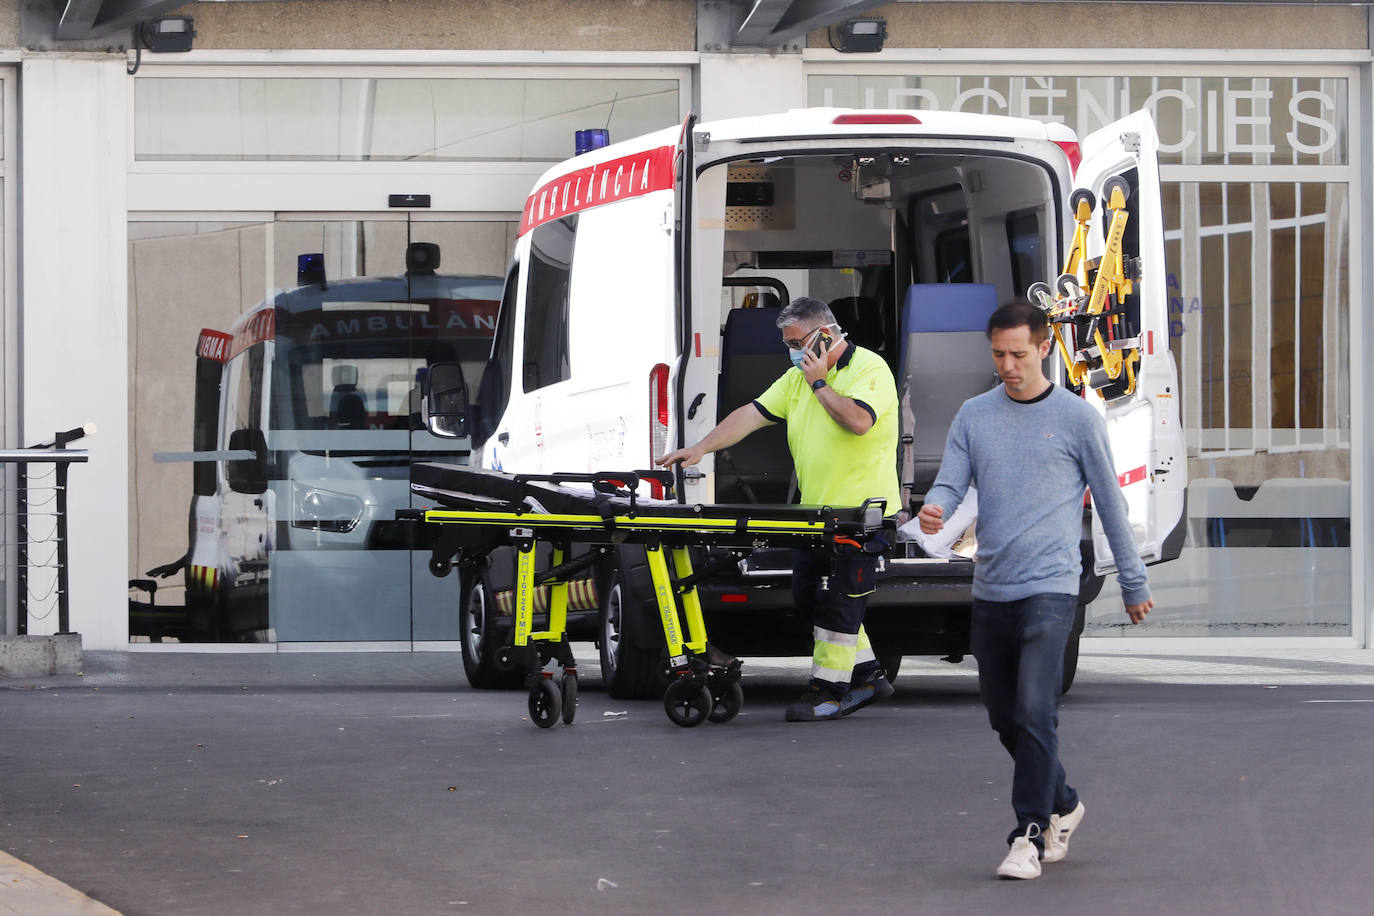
[
  {"x": 684, "y": 185},
  {"x": 1144, "y": 426}
]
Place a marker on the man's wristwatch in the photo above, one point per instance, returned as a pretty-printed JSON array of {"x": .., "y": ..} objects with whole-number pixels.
[{"x": 818, "y": 384}]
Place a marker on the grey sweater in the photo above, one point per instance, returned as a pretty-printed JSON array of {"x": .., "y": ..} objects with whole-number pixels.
[{"x": 1031, "y": 462}]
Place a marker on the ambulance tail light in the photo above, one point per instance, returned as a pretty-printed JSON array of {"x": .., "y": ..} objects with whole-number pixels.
[
  {"x": 658, "y": 421},
  {"x": 1070, "y": 148}
]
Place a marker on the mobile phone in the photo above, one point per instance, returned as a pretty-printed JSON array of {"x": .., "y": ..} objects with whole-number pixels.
[{"x": 821, "y": 345}]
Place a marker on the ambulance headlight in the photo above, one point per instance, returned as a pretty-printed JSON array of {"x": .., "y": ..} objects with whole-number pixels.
[{"x": 324, "y": 510}]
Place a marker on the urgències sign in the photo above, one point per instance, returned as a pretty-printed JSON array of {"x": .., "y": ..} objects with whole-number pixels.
[{"x": 1279, "y": 120}]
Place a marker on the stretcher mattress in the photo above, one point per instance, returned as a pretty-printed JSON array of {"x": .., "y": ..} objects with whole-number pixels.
[{"x": 461, "y": 487}]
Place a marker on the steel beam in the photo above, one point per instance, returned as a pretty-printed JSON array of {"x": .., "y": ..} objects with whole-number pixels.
[
  {"x": 93, "y": 18},
  {"x": 770, "y": 23}
]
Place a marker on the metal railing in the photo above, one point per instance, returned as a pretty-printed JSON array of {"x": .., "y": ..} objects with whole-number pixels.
[{"x": 28, "y": 508}]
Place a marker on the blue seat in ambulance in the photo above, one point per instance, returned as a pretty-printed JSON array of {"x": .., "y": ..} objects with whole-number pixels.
[
  {"x": 757, "y": 469},
  {"x": 944, "y": 361}
]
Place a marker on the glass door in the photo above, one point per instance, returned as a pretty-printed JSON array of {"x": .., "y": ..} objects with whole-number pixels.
[{"x": 307, "y": 339}]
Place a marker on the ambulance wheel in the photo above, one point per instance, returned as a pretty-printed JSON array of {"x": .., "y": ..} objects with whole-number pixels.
[
  {"x": 1112, "y": 184},
  {"x": 1080, "y": 618},
  {"x": 629, "y": 670},
  {"x": 1038, "y": 291},
  {"x": 569, "y": 698},
  {"x": 727, "y": 699},
  {"x": 891, "y": 663},
  {"x": 546, "y": 703},
  {"x": 1070, "y": 662},
  {"x": 204, "y": 614},
  {"x": 1082, "y": 194},
  {"x": 687, "y": 703},
  {"x": 479, "y": 640}
]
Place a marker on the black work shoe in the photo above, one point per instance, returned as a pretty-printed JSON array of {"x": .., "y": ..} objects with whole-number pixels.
[
  {"x": 814, "y": 706},
  {"x": 874, "y": 687}
]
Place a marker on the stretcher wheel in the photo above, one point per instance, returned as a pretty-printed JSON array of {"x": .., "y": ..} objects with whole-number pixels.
[
  {"x": 545, "y": 703},
  {"x": 687, "y": 703},
  {"x": 1116, "y": 182},
  {"x": 1067, "y": 285},
  {"x": 727, "y": 699},
  {"x": 569, "y": 698},
  {"x": 1041, "y": 294},
  {"x": 1082, "y": 194}
]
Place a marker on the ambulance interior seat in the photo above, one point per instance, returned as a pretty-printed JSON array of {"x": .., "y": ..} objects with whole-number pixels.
[
  {"x": 758, "y": 468},
  {"x": 944, "y": 362},
  {"x": 861, "y": 318},
  {"x": 347, "y": 408}
]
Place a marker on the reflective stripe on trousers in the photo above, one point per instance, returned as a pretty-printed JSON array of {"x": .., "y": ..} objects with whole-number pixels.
[{"x": 836, "y": 654}]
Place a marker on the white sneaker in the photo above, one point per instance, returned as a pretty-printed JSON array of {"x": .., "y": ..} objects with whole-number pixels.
[
  {"x": 1062, "y": 827},
  {"x": 1023, "y": 861}
]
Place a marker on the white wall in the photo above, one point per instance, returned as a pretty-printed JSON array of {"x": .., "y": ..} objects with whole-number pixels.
[{"x": 74, "y": 331}]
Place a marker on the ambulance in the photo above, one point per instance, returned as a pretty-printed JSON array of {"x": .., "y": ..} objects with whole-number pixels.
[
  {"x": 640, "y": 309},
  {"x": 306, "y": 421}
]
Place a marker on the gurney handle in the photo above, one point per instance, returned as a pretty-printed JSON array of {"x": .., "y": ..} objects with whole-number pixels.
[{"x": 606, "y": 481}]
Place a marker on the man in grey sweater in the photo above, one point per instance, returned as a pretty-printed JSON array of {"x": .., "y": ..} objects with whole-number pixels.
[{"x": 1032, "y": 449}]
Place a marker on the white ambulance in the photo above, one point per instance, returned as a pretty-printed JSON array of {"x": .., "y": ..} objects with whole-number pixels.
[{"x": 640, "y": 309}]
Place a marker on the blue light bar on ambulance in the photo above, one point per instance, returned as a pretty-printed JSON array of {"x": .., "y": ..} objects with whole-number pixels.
[
  {"x": 310, "y": 269},
  {"x": 876, "y": 118}
]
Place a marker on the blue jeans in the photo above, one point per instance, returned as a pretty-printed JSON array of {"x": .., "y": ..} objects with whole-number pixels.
[{"x": 1020, "y": 650}]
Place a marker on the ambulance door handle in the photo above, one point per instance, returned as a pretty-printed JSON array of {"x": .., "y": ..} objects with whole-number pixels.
[
  {"x": 696, "y": 402},
  {"x": 503, "y": 438}
]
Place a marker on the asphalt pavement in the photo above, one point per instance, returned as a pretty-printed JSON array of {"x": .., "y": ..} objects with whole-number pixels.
[{"x": 174, "y": 782}]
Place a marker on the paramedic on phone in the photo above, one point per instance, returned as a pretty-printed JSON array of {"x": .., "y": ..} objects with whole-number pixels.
[{"x": 840, "y": 405}]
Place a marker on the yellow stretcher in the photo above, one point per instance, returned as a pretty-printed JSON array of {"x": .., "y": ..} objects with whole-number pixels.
[
  {"x": 1086, "y": 308},
  {"x": 480, "y": 511}
]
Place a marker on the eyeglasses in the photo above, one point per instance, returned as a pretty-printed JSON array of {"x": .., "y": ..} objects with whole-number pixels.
[{"x": 799, "y": 344}]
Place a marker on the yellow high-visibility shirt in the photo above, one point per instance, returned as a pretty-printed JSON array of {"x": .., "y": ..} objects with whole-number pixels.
[{"x": 834, "y": 466}]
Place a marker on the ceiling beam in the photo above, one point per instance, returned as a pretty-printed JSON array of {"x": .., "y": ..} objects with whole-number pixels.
[
  {"x": 92, "y": 18},
  {"x": 775, "y": 22}
]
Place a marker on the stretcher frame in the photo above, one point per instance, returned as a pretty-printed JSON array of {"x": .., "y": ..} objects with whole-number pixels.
[
  {"x": 1085, "y": 308},
  {"x": 703, "y": 682}
]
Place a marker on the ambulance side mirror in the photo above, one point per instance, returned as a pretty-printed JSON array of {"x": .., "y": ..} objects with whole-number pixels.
[
  {"x": 446, "y": 401},
  {"x": 247, "y": 475}
]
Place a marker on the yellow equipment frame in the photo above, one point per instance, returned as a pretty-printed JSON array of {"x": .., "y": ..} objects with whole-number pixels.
[{"x": 1102, "y": 362}]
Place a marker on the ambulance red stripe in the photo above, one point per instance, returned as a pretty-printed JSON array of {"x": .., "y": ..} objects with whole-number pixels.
[
  {"x": 618, "y": 179},
  {"x": 1134, "y": 475}
]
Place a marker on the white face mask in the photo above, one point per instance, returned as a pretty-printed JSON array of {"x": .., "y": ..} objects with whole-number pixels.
[{"x": 798, "y": 354}]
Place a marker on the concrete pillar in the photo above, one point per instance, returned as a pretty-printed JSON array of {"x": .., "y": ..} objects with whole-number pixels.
[
  {"x": 74, "y": 316},
  {"x": 741, "y": 84}
]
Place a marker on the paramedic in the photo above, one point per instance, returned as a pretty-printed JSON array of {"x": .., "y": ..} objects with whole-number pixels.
[
  {"x": 1032, "y": 449},
  {"x": 840, "y": 406}
]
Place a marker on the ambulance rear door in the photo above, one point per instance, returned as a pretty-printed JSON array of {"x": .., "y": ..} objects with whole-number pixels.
[{"x": 1144, "y": 426}]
